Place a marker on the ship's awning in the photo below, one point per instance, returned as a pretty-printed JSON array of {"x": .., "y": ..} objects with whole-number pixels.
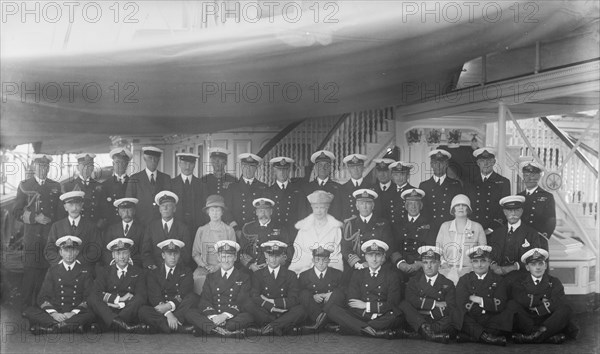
[{"x": 150, "y": 78}]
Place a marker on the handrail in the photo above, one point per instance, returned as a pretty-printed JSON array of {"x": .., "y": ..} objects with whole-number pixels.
[
  {"x": 570, "y": 144},
  {"x": 277, "y": 138},
  {"x": 584, "y": 146},
  {"x": 309, "y": 167}
]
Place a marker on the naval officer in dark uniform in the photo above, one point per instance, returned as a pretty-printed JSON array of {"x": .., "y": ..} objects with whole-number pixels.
[
  {"x": 62, "y": 302},
  {"x": 322, "y": 161},
  {"x": 287, "y": 195},
  {"x": 128, "y": 226},
  {"x": 220, "y": 310},
  {"x": 397, "y": 211},
  {"x": 37, "y": 206},
  {"x": 355, "y": 163},
  {"x": 539, "y": 209},
  {"x": 486, "y": 190},
  {"x": 115, "y": 186},
  {"x": 384, "y": 187},
  {"x": 439, "y": 190},
  {"x": 219, "y": 181},
  {"x": 145, "y": 184},
  {"x": 189, "y": 190},
  {"x": 169, "y": 290}
]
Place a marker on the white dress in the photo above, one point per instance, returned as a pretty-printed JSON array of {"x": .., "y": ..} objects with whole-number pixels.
[{"x": 309, "y": 236}]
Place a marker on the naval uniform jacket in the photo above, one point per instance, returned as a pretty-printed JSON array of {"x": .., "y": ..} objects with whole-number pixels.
[
  {"x": 139, "y": 187},
  {"x": 491, "y": 288},
  {"x": 93, "y": 200},
  {"x": 135, "y": 233},
  {"x": 539, "y": 211},
  {"x": 311, "y": 283},
  {"x": 213, "y": 185},
  {"x": 154, "y": 233},
  {"x": 224, "y": 295},
  {"x": 113, "y": 190},
  {"x": 31, "y": 200},
  {"x": 162, "y": 290},
  {"x": 254, "y": 235},
  {"x": 382, "y": 292},
  {"x": 356, "y": 232},
  {"x": 289, "y": 204},
  {"x": 384, "y": 200},
  {"x": 348, "y": 200},
  {"x": 284, "y": 290},
  {"x": 240, "y": 198},
  {"x": 544, "y": 298},
  {"x": 506, "y": 250},
  {"x": 64, "y": 291},
  {"x": 437, "y": 200},
  {"x": 191, "y": 201},
  {"x": 485, "y": 200},
  {"x": 422, "y": 296},
  {"x": 90, "y": 250},
  {"x": 108, "y": 286},
  {"x": 395, "y": 211},
  {"x": 409, "y": 237}
]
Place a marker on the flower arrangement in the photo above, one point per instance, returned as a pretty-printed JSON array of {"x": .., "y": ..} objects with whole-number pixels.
[
  {"x": 454, "y": 136},
  {"x": 434, "y": 136},
  {"x": 413, "y": 136}
]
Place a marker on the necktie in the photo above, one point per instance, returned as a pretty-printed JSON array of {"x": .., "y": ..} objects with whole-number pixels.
[
  {"x": 485, "y": 179},
  {"x": 166, "y": 229},
  {"x": 283, "y": 186},
  {"x": 187, "y": 181},
  {"x": 356, "y": 184},
  {"x": 528, "y": 193},
  {"x": 440, "y": 182},
  {"x": 152, "y": 180},
  {"x": 73, "y": 226},
  {"x": 384, "y": 188},
  {"x": 373, "y": 275},
  {"x": 121, "y": 274},
  {"x": 322, "y": 183},
  {"x": 273, "y": 274},
  {"x": 42, "y": 183},
  {"x": 412, "y": 220},
  {"x": 510, "y": 231},
  {"x": 224, "y": 276},
  {"x": 537, "y": 282},
  {"x": 69, "y": 269},
  {"x": 429, "y": 282},
  {"x": 126, "y": 229},
  {"x": 170, "y": 275},
  {"x": 321, "y": 276}
]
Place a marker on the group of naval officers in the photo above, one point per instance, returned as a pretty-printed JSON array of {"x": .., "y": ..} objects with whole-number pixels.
[{"x": 357, "y": 258}]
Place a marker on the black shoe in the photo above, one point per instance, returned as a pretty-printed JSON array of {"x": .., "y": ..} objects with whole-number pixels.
[
  {"x": 492, "y": 339},
  {"x": 534, "y": 337},
  {"x": 253, "y": 331},
  {"x": 79, "y": 329},
  {"x": 369, "y": 331},
  {"x": 320, "y": 322},
  {"x": 119, "y": 324},
  {"x": 557, "y": 339},
  {"x": 572, "y": 330},
  {"x": 464, "y": 338},
  {"x": 267, "y": 330},
  {"x": 197, "y": 332},
  {"x": 95, "y": 328},
  {"x": 427, "y": 333},
  {"x": 185, "y": 329},
  {"x": 47, "y": 330},
  {"x": 222, "y": 332}
]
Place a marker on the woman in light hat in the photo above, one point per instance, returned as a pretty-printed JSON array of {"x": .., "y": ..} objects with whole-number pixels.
[
  {"x": 203, "y": 251},
  {"x": 456, "y": 237},
  {"x": 317, "y": 228}
]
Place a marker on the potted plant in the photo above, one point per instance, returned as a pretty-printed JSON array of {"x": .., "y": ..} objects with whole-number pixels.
[
  {"x": 413, "y": 136},
  {"x": 434, "y": 137},
  {"x": 454, "y": 138}
]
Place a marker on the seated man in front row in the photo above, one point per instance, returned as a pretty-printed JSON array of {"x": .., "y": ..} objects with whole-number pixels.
[
  {"x": 430, "y": 299},
  {"x": 67, "y": 311},
  {"x": 119, "y": 290},
  {"x": 274, "y": 294},
  {"x": 373, "y": 297},
  {"x": 540, "y": 305},
  {"x": 481, "y": 302},
  {"x": 321, "y": 288},
  {"x": 220, "y": 308},
  {"x": 169, "y": 291}
]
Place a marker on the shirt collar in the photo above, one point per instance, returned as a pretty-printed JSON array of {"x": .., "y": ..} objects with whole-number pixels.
[
  {"x": 322, "y": 180},
  {"x": 267, "y": 224},
  {"x": 123, "y": 270},
  {"x": 318, "y": 272},
  {"x": 72, "y": 265},
  {"x": 367, "y": 218},
  {"x": 249, "y": 181},
  {"x": 386, "y": 185},
  {"x": 77, "y": 220},
  {"x": 120, "y": 177},
  {"x": 276, "y": 270},
  {"x": 169, "y": 223},
  {"x": 127, "y": 223},
  {"x": 486, "y": 176},
  {"x": 531, "y": 191},
  {"x": 433, "y": 278},
  {"x": 376, "y": 271},
  {"x": 283, "y": 184},
  {"x": 515, "y": 226},
  {"x": 414, "y": 217},
  {"x": 437, "y": 179},
  {"x": 167, "y": 269},
  {"x": 227, "y": 272},
  {"x": 149, "y": 173},
  {"x": 534, "y": 278},
  {"x": 184, "y": 178},
  {"x": 359, "y": 181},
  {"x": 399, "y": 188},
  {"x": 481, "y": 277},
  {"x": 39, "y": 180}
]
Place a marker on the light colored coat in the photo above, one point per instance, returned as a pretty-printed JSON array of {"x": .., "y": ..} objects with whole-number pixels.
[{"x": 310, "y": 236}]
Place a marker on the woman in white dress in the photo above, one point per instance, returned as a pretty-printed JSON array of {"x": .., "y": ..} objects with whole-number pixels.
[
  {"x": 456, "y": 237},
  {"x": 319, "y": 228}
]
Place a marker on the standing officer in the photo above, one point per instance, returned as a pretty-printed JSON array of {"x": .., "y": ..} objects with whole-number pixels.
[
  {"x": 540, "y": 305},
  {"x": 274, "y": 294},
  {"x": 322, "y": 161},
  {"x": 321, "y": 287},
  {"x": 286, "y": 194},
  {"x": 218, "y": 181},
  {"x": 76, "y": 225},
  {"x": 169, "y": 292},
  {"x": 481, "y": 302},
  {"x": 167, "y": 227},
  {"x": 189, "y": 189},
  {"x": 66, "y": 311},
  {"x": 512, "y": 240},
  {"x": 242, "y": 193},
  {"x": 373, "y": 297},
  {"x": 119, "y": 290},
  {"x": 430, "y": 299},
  {"x": 355, "y": 164},
  {"x": 539, "y": 210},
  {"x": 361, "y": 228},
  {"x": 414, "y": 232},
  {"x": 486, "y": 191},
  {"x": 439, "y": 190},
  {"x": 114, "y": 187},
  {"x": 37, "y": 205},
  {"x": 145, "y": 184},
  {"x": 259, "y": 231},
  {"x": 383, "y": 187},
  {"x": 220, "y": 309},
  {"x": 93, "y": 199},
  {"x": 396, "y": 210},
  {"x": 128, "y": 227}
]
